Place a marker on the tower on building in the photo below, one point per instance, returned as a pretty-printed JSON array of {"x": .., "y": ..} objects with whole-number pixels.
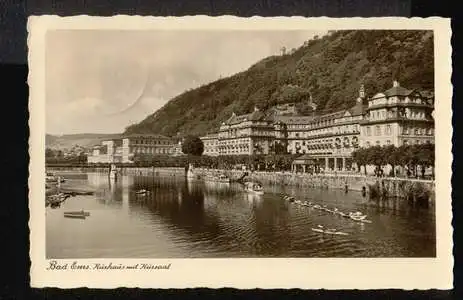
[{"x": 361, "y": 94}]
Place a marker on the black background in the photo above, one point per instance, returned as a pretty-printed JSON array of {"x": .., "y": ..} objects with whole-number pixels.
[{"x": 14, "y": 214}]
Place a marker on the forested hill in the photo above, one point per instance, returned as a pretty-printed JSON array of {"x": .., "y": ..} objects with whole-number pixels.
[{"x": 331, "y": 68}]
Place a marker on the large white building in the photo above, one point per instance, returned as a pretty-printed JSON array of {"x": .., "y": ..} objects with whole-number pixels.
[
  {"x": 124, "y": 148},
  {"x": 397, "y": 116}
]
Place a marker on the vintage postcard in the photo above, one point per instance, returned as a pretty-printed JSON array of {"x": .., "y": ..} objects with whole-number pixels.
[{"x": 178, "y": 152}]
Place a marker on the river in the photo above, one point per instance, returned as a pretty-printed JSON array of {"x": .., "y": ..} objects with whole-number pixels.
[{"x": 180, "y": 219}]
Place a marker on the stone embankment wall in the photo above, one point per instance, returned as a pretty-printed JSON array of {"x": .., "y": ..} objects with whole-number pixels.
[{"x": 389, "y": 187}]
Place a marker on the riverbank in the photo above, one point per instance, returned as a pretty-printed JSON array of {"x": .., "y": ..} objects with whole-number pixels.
[{"x": 407, "y": 188}]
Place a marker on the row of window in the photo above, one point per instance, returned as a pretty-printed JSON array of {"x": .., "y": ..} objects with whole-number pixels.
[
  {"x": 150, "y": 142},
  {"x": 393, "y": 100},
  {"x": 404, "y": 142},
  {"x": 151, "y": 150},
  {"x": 387, "y": 130}
]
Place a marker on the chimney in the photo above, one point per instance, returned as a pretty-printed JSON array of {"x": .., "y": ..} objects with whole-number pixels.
[{"x": 395, "y": 83}]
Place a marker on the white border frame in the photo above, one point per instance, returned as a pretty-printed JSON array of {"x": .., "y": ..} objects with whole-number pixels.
[{"x": 309, "y": 273}]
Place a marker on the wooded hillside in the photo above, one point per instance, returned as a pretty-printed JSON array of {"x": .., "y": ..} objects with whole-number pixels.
[{"x": 330, "y": 68}]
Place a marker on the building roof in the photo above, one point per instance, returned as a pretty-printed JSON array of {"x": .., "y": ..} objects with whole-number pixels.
[
  {"x": 210, "y": 136},
  {"x": 397, "y": 91},
  {"x": 294, "y": 119},
  {"x": 144, "y": 135},
  {"x": 256, "y": 115},
  {"x": 357, "y": 110}
]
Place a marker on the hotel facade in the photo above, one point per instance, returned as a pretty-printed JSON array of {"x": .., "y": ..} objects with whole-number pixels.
[
  {"x": 397, "y": 116},
  {"x": 123, "y": 149}
]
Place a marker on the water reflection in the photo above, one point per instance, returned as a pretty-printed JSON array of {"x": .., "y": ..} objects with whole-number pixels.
[{"x": 180, "y": 218}]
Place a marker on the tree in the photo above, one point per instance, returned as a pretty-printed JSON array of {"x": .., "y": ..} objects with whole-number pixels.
[
  {"x": 193, "y": 145},
  {"x": 360, "y": 158},
  {"x": 392, "y": 157}
]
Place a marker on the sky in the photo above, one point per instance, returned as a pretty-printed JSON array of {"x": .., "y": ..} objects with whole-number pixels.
[{"x": 101, "y": 81}]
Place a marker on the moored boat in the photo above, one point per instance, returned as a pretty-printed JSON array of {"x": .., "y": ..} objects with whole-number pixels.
[
  {"x": 329, "y": 231},
  {"x": 141, "y": 192},
  {"x": 76, "y": 214},
  {"x": 254, "y": 187},
  {"x": 357, "y": 216},
  {"x": 218, "y": 178},
  {"x": 52, "y": 178}
]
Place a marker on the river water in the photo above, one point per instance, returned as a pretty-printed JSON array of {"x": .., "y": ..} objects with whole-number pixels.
[{"x": 180, "y": 219}]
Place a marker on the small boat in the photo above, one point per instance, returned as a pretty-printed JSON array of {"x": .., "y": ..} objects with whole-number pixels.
[
  {"x": 220, "y": 178},
  {"x": 357, "y": 216},
  {"x": 76, "y": 214},
  {"x": 52, "y": 178},
  {"x": 141, "y": 192},
  {"x": 329, "y": 231},
  {"x": 289, "y": 198},
  {"x": 342, "y": 214},
  {"x": 79, "y": 212},
  {"x": 254, "y": 187},
  {"x": 364, "y": 221}
]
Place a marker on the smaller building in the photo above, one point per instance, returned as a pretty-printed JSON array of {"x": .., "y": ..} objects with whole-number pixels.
[
  {"x": 124, "y": 148},
  {"x": 211, "y": 144}
]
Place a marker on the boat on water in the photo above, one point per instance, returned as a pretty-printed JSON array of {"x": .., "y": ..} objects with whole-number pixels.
[
  {"x": 357, "y": 216},
  {"x": 141, "y": 192},
  {"x": 254, "y": 187},
  {"x": 290, "y": 198},
  {"x": 331, "y": 231},
  {"x": 76, "y": 214},
  {"x": 218, "y": 178},
  {"x": 52, "y": 178}
]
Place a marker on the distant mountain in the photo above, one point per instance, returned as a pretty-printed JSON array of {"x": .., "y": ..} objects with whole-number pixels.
[
  {"x": 328, "y": 69},
  {"x": 67, "y": 141}
]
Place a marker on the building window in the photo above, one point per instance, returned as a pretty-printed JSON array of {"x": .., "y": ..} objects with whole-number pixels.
[
  {"x": 388, "y": 130},
  {"x": 417, "y": 142},
  {"x": 405, "y": 142},
  {"x": 388, "y": 142},
  {"x": 377, "y": 130},
  {"x": 368, "y": 131},
  {"x": 405, "y": 130},
  {"x": 378, "y": 143}
]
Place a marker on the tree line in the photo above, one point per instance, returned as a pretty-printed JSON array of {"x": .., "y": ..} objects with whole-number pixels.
[
  {"x": 53, "y": 156},
  {"x": 271, "y": 162},
  {"x": 408, "y": 157}
]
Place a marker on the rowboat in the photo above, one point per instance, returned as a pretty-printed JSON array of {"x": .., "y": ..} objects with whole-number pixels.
[
  {"x": 141, "y": 192},
  {"x": 219, "y": 179},
  {"x": 357, "y": 216},
  {"x": 253, "y": 187},
  {"x": 329, "y": 231},
  {"x": 76, "y": 214}
]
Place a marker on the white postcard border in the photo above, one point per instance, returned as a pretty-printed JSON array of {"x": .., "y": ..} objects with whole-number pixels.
[{"x": 310, "y": 273}]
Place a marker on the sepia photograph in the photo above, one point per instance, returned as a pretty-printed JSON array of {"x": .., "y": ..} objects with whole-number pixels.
[{"x": 200, "y": 143}]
